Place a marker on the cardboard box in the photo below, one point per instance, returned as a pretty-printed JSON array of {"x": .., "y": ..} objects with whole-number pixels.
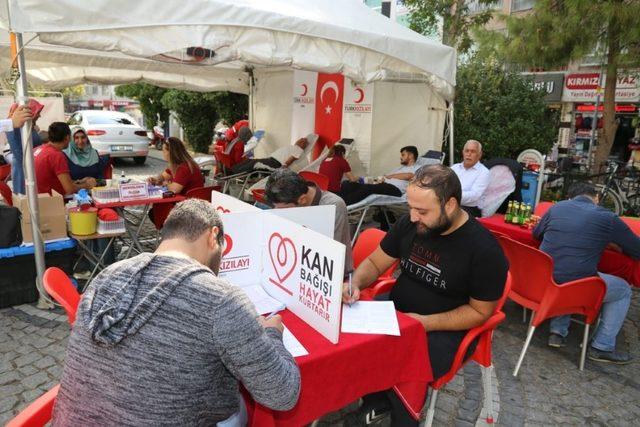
[{"x": 53, "y": 223}]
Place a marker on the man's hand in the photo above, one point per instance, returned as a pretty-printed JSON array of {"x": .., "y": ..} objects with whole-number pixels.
[
  {"x": 20, "y": 115},
  {"x": 274, "y": 322},
  {"x": 355, "y": 296}
]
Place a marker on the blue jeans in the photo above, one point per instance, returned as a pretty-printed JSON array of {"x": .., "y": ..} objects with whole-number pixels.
[
  {"x": 17, "y": 174},
  {"x": 614, "y": 310}
]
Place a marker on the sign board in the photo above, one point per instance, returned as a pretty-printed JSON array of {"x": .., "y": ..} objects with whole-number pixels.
[
  {"x": 133, "y": 191},
  {"x": 226, "y": 204},
  {"x": 583, "y": 87},
  {"x": 242, "y": 255},
  {"x": 317, "y": 218},
  {"x": 530, "y": 156},
  {"x": 551, "y": 83},
  {"x": 304, "y": 270}
]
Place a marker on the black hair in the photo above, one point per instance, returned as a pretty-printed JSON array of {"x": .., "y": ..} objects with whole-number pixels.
[
  {"x": 58, "y": 131},
  {"x": 582, "y": 189},
  {"x": 285, "y": 186},
  {"x": 441, "y": 179},
  {"x": 191, "y": 218},
  {"x": 412, "y": 150}
]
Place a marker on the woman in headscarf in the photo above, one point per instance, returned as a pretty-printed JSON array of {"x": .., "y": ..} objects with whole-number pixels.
[{"x": 83, "y": 159}]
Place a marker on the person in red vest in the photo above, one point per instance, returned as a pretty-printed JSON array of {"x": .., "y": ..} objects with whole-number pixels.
[{"x": 335, "y": 167}]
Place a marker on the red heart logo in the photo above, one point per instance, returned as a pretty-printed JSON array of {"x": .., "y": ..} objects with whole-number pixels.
[
  {"x": 228, "y": 244},
  {"x": 283, "y": 256},
  {"x": 222, "y": 209}
]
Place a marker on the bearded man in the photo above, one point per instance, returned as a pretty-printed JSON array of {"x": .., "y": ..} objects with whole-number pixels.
[{"x": 453, "y": 273}]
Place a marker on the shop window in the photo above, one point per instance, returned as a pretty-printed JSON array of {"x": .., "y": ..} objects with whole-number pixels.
[{"x": 475, "y": 6}]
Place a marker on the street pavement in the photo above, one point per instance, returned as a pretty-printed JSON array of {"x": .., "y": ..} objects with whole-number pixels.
[{"x": 550, "y": 390}]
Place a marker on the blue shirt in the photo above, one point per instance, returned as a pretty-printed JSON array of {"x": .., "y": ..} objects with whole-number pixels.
[
  {"x": 576, "y": 232},
  {"x": 95, "y": 170}
]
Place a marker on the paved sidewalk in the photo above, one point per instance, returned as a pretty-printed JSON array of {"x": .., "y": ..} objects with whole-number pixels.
[{"x": 550, "y": 390}]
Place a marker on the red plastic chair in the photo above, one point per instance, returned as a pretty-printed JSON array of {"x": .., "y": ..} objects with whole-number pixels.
[
  {"x": 59, "y": 286},
  {"x": 6, "y": 193},
  {"x": 202, "y": 193},
  {"x": 322, "y": 181},
  {"x": 5, "y": 172},
  {"x": 481, "y": 355},
  {"x": 258, "y": 196},
  {"x": 534, "y": 288},
  {"x": 542, "y": 208},
  {"x": 38, "y": 413},
  {"x": 368, "y": 241}
]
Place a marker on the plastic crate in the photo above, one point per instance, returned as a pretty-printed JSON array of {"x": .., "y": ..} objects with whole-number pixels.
[
  {"x": 109, "y": 227},
  {"x": 105, "y": 195}
]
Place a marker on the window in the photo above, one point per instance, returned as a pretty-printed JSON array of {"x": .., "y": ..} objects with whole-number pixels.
[
  {"x": 108, "y": 120},
  {"x": 518, "y": 5},
  {"x": 475, "y": 6},
  {"x": 76, "y": 119}
]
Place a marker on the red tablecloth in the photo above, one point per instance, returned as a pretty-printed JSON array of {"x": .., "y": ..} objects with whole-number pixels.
[
  {"x": 336, "y": 375},
  {"x": 612, "y": 262}
]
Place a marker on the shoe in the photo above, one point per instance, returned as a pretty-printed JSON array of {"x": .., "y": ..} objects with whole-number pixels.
[
  {"x": 362, "y": 418},
  {"x": 82, "y": 275},
  {"x": 556, "y": 340},
  {"x": 615, "y": 356}
]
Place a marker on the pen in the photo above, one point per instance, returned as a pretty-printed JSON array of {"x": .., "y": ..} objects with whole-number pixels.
[
  {"x": 273, "y": 313},
  {"x": 350, "y": 289}
]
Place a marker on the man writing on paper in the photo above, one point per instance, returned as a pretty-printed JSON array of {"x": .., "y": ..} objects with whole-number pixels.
[
  {"x": 287, "y": 189},
  {"x": 159, "y": 339},
  {"x": 453, "y": 272}
]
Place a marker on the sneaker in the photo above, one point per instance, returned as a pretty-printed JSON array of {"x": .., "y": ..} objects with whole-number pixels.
[
  {"x": 82, "y": 275},
  {"x": 556, "y": 340},
  {"x": 615, "y": 356}
]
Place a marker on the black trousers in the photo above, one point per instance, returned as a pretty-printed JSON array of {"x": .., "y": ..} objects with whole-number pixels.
[
  {"x": 354, "y": 192},
  {"x": 248, "y": 165}
]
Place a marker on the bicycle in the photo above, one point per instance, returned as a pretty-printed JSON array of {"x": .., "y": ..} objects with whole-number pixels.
[{"x": 619, "y": 193}]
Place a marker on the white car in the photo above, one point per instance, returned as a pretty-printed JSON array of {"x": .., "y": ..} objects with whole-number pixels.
[{"x": 113, "y": 133}]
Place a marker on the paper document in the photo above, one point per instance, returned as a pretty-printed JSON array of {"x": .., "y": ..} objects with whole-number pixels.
[
  {"x": 292, "y": 344},
  {"x": 370, "y": 317},
  {"x": 263, "y": 302}
]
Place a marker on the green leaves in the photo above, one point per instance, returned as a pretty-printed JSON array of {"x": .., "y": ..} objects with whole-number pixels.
[{"x": 501, "y": 110}]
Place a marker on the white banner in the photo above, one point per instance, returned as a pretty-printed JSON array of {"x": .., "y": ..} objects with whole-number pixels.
[
  {"x": 357, "y": 116},
  {"x": 304, "y": 270},
  {"x": 227, "y": 204},
  {"x": 242, "y": 257},
  {"x": 304, "y": 109},
  {"x": 318, "y": 218}
]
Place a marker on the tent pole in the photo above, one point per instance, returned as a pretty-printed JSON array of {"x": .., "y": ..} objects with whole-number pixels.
[
  {"x": 29, "y": 170},
  {"x": 252, "y": 125},
  {"x": 451, "y": 148}
]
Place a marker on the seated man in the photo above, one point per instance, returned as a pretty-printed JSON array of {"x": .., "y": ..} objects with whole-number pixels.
[
  {"x": 473, "y": 175},
  {"x": 50, "y": 163},
  {"x": 287, "y": 189},
  {"x": 575, "y": 233},
  {"x": 282, "y": 157},
  {"x": 394, "y": 184},
  {"x": 453, "y": 272},
  {"x": 161, "y": 340}
]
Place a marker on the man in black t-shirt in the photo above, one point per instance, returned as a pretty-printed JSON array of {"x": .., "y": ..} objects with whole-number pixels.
[{"x": 453, "y": 270}]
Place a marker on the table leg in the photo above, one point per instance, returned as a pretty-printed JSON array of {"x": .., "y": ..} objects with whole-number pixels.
[
  {"x": 98, "y": 265},
  {"x": 135, "y": 232}
]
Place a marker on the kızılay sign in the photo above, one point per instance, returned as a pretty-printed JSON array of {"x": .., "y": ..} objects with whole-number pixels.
[{"x": 582, "y": 87}]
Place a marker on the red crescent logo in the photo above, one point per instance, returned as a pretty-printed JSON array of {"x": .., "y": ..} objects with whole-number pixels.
[
  {"x": 361, "y": 92},
  {"x": 305, "y": 89},
  {"x": 228, "y": 244},
  {"x": 222, "y": 209}
]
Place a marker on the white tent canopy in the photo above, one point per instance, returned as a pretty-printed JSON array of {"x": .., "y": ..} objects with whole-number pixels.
[{"x": 334, "y": 36}]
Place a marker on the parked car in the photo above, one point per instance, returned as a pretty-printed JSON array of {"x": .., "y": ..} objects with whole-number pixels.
[{"x": 114, "y": 133}]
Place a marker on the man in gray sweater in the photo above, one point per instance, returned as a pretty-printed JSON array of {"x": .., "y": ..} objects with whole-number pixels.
[{"x": 161, "y": 340}]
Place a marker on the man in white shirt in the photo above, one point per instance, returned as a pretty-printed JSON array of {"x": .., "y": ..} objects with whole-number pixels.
[
  {"x": 473, "y": 175},
  {"x": 281, "y": 158}
]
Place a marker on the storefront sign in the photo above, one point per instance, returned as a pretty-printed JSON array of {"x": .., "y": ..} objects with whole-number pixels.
[
  {"x": 583, "y": 87},
  {"x": 551, "y": 83}
]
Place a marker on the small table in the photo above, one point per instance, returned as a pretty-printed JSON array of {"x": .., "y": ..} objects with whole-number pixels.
[
  {"x": 134, "y": 227},
  {"x": 334, "y": 375},
  {"x": 612, "y": 262},
  {"x": 87, "y": 252}
]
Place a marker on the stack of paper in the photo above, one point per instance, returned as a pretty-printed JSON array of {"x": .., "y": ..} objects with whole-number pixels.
[
  {"x": 292, "y": 344},
  {"x": 263, "y": 302},
  {"x": 370, "y": 317}
]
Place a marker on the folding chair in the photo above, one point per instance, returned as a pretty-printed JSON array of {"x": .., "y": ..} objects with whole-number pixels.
[
  {"x": 481, "y": 355},
  {"x": 368, "y": 242},
  {"x": 59, "y": 286},
  {"x": 534, "y": 288},
  {"x": 38, "y": 413}
]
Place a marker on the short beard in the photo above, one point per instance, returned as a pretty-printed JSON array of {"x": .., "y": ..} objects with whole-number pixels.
[
  {"x": 214, "y": 261},
  {"x": 444, "y": 223}
]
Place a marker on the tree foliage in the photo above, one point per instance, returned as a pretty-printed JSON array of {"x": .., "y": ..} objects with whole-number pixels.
[
  {"x": 199, "y": 112},
  {"x": 559, "y": 31},
  {"x": 457, "y": 20},
  {"x": 502, "y": 110},
  {"x": 150, "y": 99}
]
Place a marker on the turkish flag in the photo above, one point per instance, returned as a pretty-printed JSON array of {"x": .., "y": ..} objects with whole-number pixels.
[{"x": 328, "y": 123}]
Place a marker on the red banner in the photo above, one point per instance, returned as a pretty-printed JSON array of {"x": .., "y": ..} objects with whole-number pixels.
[{"x": 328, "y": 122}]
